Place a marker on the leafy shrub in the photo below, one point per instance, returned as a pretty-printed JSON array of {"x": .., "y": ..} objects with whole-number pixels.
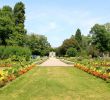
[
  {"x": 14, "y": 52},
  {"x": 71, "y": 52},
  {"x": 2, "y": 48}
]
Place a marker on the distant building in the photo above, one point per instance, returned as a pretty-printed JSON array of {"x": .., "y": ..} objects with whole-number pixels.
[{"x": 52, "y": 54}]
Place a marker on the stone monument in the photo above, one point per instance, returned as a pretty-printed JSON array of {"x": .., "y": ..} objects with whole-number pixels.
[{"x": 52, "y": 54}]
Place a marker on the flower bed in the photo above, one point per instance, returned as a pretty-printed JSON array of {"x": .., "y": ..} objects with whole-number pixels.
[
  {"x": 97, "y": 67},
  {"x": 11, "y": 74},
  {"x": 18, "y": 68},
  {"x": 5, "y": 65},
  {"x": 104, "y": 76},
  {"x": 105, "y": 64}
]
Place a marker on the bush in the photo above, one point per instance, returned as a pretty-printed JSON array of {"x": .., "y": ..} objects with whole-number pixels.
[
  {"x": 2, "y": 48},
  {"x": 14, "y": 52},
  {"x": 71, "y": 52}
]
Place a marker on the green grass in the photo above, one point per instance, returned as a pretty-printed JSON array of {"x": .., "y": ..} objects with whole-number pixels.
[{"x": 56, "y": 83}]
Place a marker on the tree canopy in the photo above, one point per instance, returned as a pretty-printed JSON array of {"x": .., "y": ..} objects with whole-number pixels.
[{"x": 100, "y": 37}]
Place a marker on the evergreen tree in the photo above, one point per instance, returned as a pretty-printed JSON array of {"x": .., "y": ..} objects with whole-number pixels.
[
  {"x": 19, "y": 16},
  {"x": 78, "y": 37},
  {"x": 19, "y": 33}
]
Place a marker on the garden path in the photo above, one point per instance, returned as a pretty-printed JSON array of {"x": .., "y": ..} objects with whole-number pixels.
[{"x": 52, "y": 61}]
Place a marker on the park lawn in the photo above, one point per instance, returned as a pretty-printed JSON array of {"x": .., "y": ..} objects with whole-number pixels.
[{"x": 56, "y": 83}]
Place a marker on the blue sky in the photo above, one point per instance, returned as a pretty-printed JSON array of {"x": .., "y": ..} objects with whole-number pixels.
[{"x": 59, "y": 19}]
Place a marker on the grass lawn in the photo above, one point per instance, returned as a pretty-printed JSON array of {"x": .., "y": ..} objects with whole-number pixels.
[{"x": 56, "y": 83}]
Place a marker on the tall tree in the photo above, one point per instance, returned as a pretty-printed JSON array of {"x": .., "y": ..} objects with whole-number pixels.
[
  {"x": 6, "y": 24},
  {"x": 78, "y": 37},
  {"x": 19, "y": 15},
  {"x": 19, "y": 33},
  {"x": 100, "y": 37}
]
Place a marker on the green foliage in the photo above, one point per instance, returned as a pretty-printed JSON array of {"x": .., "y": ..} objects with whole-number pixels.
[
  {"x": 100, "y": 37},
  {"x": 6, "y": 24},
  {"x": 93, "y": 51},
  {"x": 72, "y": 42},
  {"x": 71, "y": 52},
  {"x": 38, "y": 44},
  {"x": 15, "y": 52},
  {"x": 86, "y": 40},
  {"x": 78, "y": 37},
  {"x": 19, "y": 11},
  {"x": 12, "y": 30},
  {"x": 16, "y": 39},
  {"x": 95, "y": 44},
  {"x": 19, "y": 16},
  {"x": 12, "y": 33},
  {"x": 107, "y": 26},
  {"x": 68, "y": 43}
]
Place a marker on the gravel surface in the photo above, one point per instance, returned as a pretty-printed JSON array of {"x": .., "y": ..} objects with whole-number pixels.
[{"x": 54, "y": 62}]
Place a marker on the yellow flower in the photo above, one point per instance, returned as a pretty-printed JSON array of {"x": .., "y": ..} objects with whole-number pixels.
[
  {"x": 1, "y": 78},
  {"x": 1, "y": 73}
]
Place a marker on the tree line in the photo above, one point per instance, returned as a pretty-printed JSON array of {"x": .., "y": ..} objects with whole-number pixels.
[
  {"x": 95, "y": 44},
  {"x": 13, "y": 32}
]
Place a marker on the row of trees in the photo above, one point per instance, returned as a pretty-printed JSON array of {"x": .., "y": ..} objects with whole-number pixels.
[
  {"x": 38, "y": 44},
  {"x": 97, "y": 43},
  {"x": 13, "y": 32}
]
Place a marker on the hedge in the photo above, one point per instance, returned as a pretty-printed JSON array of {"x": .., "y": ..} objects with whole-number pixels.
[{"x": 14, "y": 52}]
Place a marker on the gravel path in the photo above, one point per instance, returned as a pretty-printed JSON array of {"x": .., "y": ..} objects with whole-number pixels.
[{"x": 54, "y": 62}]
